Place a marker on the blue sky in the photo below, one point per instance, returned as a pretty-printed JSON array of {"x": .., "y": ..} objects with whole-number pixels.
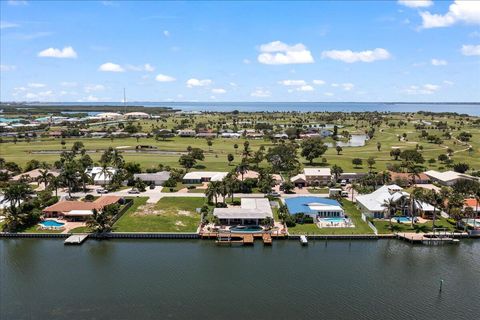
[{"x": 240, "y": 51}]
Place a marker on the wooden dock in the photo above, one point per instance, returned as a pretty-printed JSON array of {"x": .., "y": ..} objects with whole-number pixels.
[
  {"x": 229, "y": 239},
  {"x": 428, "y": 238},
  {"x": 76, "y": 239},
  {"x": 267, "y": 239}
]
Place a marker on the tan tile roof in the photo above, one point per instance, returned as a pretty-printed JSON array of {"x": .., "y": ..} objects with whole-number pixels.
[{"x": 67, "y": 206}]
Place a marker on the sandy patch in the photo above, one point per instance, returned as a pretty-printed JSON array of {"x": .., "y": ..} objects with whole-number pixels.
[
  {"x": 180, "y": 224},
  {"x": 122, "y": 147},
  {"x": 184, "y": 213},
  {"x": 148, "y": 210}
]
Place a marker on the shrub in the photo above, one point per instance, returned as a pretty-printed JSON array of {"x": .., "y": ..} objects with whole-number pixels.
[{"x": 89, "y": 197}]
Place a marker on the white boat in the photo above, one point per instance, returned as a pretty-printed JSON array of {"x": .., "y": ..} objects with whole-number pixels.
[{"x": 303, "y": 240}]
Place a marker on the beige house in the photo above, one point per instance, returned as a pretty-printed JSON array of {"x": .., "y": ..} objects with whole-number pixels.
[{"x": 312, "y": 177}]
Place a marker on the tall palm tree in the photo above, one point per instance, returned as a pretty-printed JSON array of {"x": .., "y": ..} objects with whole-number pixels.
[
  {"x": 44, "y": 177},
  {"x": 54, "y": 182},
  {"x": 15, "y": 193},
  {"x": 242, "y": 168},
  {"x": 415, "y": 202},
  {"x": 390, "y": 206},
  {"x": 414, "y": 173},
  {"x": 354, "y": 187},
  {"x": 477, "y": 200},
  {"x": 436, "y": 200},
  {"x": 213, "y": 190}
]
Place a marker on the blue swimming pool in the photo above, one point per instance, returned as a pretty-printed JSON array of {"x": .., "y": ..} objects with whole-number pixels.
[
  {"x": 333, "y": 220},
  {"x": 52, "y": 223},
  {"x": 402, "y": 219},
  {"x": 246, "y": 229},
  {"x": 301, "y": 204}
]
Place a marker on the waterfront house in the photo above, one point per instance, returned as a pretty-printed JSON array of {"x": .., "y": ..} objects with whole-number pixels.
[
  {"x": 405, "y": 179},
  {"x": 250, "y": 212},
  {"x": 78, "y": 210},
  {"x": 448, "y": 178},
  {"x": 373, "y": 204},
  {"x": 315, "y": 207},
  {"x": 312, "y": 177},
  {"x": 196, "y": 177},
  {"x": 472, "y": 203},
  {"x": 157, "y": 179}
]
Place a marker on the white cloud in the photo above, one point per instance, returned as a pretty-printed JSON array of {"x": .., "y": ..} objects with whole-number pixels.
[
  {"x": 68, "y": 84},
  {"x": 260, "y": 93},
  {"x": 328, "y": 94},
  {"x": 350, "y": 56},
  {"x": 66, "y": 52},
  {"x": 7, "y": 67},
  {"x": 460, "y": 11},
  {"x": 164, "y": 78},
  {"x": 198, "y": 82},
  {"x": 319, "y": 82},
  {"x": 305, "y": 88},
  {"x": 111, "y": 67},
  {"x": 425, "y": 89},
  {"x": 345, "y": 86},
  {"x": 439, "y": 62},
  {"x": 219, "y": 91},
  {"x": 471, "y": 50},
  {"x": 293, "y": 82},
  {"x": 247, "y": 61},
  {"x": 416, "y": 3},
  {"x": 37, "y": 85},
  {"x": 7, "y": 25},
  {"x": 277, "y": 52},
  {"x": 91, "y": 98},
  {"x": 94, "y": 87},
  {"x": 146, "y": 67},
  {"x": 448, "y": 83},
  {"x": 166, "y": 33}
]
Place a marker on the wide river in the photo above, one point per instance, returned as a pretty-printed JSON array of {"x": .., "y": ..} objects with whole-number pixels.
[{"x": 189, "y": 279}]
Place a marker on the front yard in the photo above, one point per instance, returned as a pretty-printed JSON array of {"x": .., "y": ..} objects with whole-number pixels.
[
  {"x": 383, "y": 226},
  {"x": 170, "y": 214}
]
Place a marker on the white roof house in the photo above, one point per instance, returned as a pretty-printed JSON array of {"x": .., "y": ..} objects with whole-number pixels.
[
  {"x": 204, "y": 176},
  {"x": 100, "y": 177},
  {"x": 317, "y": 172},
  {"x": 448, "y": 178},
  {"x": 250, "y": 208},
  {"x": 109, "y": 115},
  {"x": 136, "y": 115},
  {"x": 372, "y": 204}
]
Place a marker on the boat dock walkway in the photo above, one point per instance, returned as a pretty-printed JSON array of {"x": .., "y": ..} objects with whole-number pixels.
[
  {"x": 76, "y": 239},
  {"x": 431, "y": 238},
  {"x": 239, "y": 238}
]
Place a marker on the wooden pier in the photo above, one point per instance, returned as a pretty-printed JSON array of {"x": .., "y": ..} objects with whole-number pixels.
[
  {"x": 430, "y": 238},
  {"x": 76, "y": 239}
]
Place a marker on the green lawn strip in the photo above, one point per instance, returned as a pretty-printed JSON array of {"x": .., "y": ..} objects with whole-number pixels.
[
  {"x": 383, "y": 227},
  {"x": 35, "y": 229},
  {"x": 318, "y": 190},
  {"x": 361, "y": 227},
  {"x": 168, "y": 218}
]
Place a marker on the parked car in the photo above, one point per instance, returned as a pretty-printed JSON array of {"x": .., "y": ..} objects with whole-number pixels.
[
  {"x": 133, "y": 191},
  {"x": 152, "y": 186},
  {"x": 343, "y": 183},
  {"x": 102, "y": 191}
]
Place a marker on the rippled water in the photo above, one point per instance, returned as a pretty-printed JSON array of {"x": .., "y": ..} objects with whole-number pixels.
[{"x": 183, "y": 279}]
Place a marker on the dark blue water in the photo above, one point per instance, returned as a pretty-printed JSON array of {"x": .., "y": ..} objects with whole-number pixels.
[
  {"x": 195, "y": 279},
  {"x": 466, "y": 108}
]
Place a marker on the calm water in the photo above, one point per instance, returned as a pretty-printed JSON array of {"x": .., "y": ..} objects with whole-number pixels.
[
  {"x": 468, "y": 108},
  {"x": 386, "y": 279}
]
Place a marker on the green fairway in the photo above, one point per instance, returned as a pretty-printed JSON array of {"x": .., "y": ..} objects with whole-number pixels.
[
  {"x": 170, "y": 214},
  {"x": 361, "y": 227}
]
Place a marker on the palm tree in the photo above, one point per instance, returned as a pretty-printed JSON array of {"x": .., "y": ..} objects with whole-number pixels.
[
  {"x": 44, "y": 177},
  {"x": 390, "y": 206},
  {"x": 102, "y": 221},
  {"x": 15, "y": 193},
  {"x": 354, "y": 187},
  {"x": 414, "y": 173},
  {"x": 213, "y": 190},
  {"x": 336, "y": 170},
  {"x": 435, "y": 199},
  {"x": 477, "y": 200},
  {"x": 415, "y": 202},
  {"x": 54, "y": 182},
  {"x": 386, "y": 177},
  {"x": 242, "y": 168}
]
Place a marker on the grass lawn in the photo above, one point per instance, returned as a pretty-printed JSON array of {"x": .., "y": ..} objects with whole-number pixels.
[
  {"x": 351, "y": 211},
  {"x": 34, "y": 229},
  {"x": 383, "y": 227},
  {"x": 170, "y": 214},
  {"x": 318, "y": 190},
  {"x": 80, "y": 230}
]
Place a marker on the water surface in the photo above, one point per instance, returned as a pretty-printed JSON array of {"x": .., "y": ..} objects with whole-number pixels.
[{"x": 186, "y": 279}]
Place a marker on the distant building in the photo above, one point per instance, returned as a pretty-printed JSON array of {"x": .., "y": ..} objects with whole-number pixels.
[
  {"x": 157, "y": 178},
  {"x": 405, "y": 179},
  {"x": 136, "y": 115},
  {"x": 186, "y": 133},
  {"x": 448, "y": 178},
  {"x": 312, "y": 177},
  {"x": 196, "y": 177},
  {"x": 33, "y": 175},
  {"x": 351, "y": 176}
]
